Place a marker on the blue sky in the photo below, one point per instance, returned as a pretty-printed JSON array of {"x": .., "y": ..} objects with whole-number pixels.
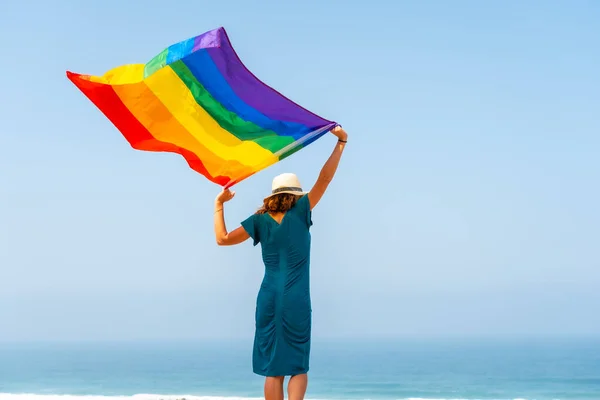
[{"x": 466, "y": 203}]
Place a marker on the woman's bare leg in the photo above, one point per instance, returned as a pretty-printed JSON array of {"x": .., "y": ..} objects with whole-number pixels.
[
  {"x": 274, "y": 388},
  {"x": 297, "y": 387}
]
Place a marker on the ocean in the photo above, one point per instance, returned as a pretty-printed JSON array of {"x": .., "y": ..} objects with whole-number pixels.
[{"x": 532, "y": 369}]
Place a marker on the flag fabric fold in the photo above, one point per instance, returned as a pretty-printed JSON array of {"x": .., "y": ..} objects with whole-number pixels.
[{"x": 197, "y": 99}]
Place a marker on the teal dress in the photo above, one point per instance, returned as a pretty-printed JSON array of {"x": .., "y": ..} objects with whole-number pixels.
[{"x": 283, "y": 305}]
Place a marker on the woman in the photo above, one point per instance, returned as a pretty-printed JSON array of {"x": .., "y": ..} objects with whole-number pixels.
[{"x": 283, "y": 306}]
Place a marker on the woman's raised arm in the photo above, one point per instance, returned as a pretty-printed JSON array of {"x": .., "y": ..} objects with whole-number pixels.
[{"x": 329, "y": 169}]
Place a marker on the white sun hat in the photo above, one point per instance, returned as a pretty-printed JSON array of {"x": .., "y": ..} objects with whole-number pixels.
[{"x": 286, "y": 183}]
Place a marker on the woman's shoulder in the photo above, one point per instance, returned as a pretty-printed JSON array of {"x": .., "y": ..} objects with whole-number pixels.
[
  {"x": 302, "y": 210},
  {"x": 253, "y": 225},
  {"x": 302, "y": 202},
  {"x": 257, "y": 216}
]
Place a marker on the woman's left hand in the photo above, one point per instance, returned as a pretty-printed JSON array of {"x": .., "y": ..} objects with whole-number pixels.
[{"x": 225, "y": 196}]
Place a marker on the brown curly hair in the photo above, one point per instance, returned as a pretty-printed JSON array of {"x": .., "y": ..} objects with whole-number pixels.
[{"x": 282, "y": 202}]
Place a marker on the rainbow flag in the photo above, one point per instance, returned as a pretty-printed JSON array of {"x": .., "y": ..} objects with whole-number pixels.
[{"x": 197, "y": 99}]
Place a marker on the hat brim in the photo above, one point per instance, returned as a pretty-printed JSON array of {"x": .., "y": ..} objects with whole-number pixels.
[{"x": 288, "y": 192}]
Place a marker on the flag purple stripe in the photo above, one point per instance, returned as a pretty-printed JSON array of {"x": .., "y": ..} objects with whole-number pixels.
[
  {"x": 207, "y": 40},
  {"x": 254, "y": 92}
]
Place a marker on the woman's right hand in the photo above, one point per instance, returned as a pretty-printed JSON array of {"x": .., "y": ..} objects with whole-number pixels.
[{"x": 340, "y": 133}]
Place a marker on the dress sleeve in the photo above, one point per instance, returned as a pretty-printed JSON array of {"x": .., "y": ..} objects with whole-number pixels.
[
  {"x": 303, "y": 210},
  {"x": 252, "y": 226}
]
